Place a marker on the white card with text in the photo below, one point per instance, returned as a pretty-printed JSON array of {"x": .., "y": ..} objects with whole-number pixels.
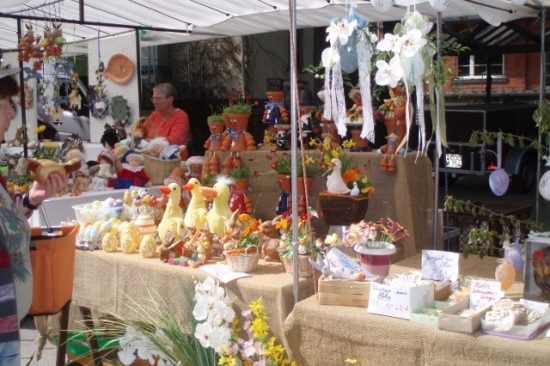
[
  {"x": 438, "y": 265},
  {"x": 484, "y": 293},
  {"x": 399, "y": 302}
]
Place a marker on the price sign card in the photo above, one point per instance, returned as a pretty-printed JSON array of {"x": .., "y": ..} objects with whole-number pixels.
[
  {"x": 440, "y": 266},
  {"x": 399, "y": 302},
  {"x": 484, "y": 293}
]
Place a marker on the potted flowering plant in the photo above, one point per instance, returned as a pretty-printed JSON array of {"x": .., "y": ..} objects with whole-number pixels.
[
  {"x": 374, "y": 241},
  {"x": 346, "y": 208},
  {"x": 242, "y": 249},
  {"x": 306, "y": 247}
]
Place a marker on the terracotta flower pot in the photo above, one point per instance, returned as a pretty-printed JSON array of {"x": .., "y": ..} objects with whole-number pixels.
[
  {"x": 275, "y": 96},
  {"x": 376, "y": 261},
  {"x": 237, "y": 122}
]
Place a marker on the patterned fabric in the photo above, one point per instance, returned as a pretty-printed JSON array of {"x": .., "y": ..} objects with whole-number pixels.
[{"x": 15, "y": 237}]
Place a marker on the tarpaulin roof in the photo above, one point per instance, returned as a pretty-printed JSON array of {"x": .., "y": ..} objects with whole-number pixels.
[{"x": 171, "y": 21}]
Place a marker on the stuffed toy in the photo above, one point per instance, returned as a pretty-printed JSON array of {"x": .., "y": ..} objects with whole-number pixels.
[
  {"x": 76, "y": 154},
  {"x": 156, "y": 147},
  {"x": 137, "y": 139},
  {"x": 132, "y": 172}
]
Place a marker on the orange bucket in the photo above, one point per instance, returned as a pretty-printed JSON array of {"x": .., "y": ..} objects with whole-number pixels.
[{"x": 52, "y": 260}]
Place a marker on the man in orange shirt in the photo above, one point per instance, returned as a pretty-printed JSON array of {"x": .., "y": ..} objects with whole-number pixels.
[{"x": 166, "y": 120}]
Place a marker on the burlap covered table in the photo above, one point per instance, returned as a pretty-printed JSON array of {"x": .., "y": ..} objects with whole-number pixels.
[
  {"x": 405, "y": 195},
  {"x": 327, "y": 335},
  {"x": 104, "y": 282}
]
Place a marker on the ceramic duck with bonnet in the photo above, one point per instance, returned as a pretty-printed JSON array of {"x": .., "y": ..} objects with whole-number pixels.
[
  {"x": 220, "y": 211},
  {"x": 335, "y": 183},
  {"x": 172, "y": 219}
]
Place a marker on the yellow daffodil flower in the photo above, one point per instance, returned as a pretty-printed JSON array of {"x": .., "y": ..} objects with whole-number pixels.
[
  {"x": 332, "y": 239},
  {"x": 312, "y": 143},
  {"x": 259, "y": 327},
  {"x": 257, "y": 307},
  {"x": 227, "y": 360},
  {"x": 348, "y": 144},
  {"x": 309, "y": 160},
  {"x": 50, "y": 145},
  {"x": 335, "y": 153},
  {"x": 40, "y": 129}
]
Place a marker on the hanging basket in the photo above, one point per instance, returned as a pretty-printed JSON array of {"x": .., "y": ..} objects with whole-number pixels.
[
  {"x": 158, "y": 169},
  {"x": 304, "y": 268},
  {"x": 243, "y": 262},
  {"x": 52, "y": 260},
  {"x": 341, "y": 210}
]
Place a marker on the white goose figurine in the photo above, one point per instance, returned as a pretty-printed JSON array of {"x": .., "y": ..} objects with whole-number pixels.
[
  {"x": 355, "y": 190},
  {"x": 335, "y": 183}
]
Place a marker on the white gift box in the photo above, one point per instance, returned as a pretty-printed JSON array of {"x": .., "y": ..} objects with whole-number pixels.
[{"x": 399, "y": 302}]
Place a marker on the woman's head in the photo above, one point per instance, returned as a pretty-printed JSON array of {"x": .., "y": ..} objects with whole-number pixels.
[
  {"x": 164, "y": 96},
  {"x": 8, "y": 89}
]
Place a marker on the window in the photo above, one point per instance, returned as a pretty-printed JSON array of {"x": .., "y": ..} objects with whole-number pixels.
[{"x": 475, "y": 67}]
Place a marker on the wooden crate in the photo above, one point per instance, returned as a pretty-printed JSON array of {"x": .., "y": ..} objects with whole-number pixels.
[{"x": 343, "y": 293}]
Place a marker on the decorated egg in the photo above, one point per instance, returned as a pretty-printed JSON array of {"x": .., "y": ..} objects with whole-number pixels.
[
  {"x": 118, "y": 203},
  {"x": 146, "y": 224},
  {"x": 148, "y": 246},
  {"x": 505, "y": 274}
]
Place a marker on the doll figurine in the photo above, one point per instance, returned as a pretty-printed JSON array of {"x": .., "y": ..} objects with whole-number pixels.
[
  {"x": 109, "y": 138},
  {"x": 106, "y": 169},
  {"x": 132, "y": 172}
]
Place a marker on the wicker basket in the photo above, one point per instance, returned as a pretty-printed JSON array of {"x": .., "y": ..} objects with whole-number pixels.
[
  {"x": 244, "y": 262},
  {"x": 158, "y": 169},
  {"x": 304, "y": 268}
]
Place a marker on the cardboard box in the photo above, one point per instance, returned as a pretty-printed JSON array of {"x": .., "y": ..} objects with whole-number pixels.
[
  {"x": 449, "y": 319},
  {"x": 428, "y": 315},
  {"x": 442, "y": 290},
  {"x": 399, "y": 302},
  {"x": 343, "y": 293}
]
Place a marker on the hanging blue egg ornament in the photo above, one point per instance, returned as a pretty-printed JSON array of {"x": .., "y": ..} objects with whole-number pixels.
[{"x": 515, "y": 257}]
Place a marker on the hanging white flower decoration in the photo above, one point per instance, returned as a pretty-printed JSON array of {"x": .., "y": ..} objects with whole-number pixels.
[
  {"x": 340, "y": 30},
  {"x": 389, "y": 74},
  {"x": 415, "y": 20},
  {"x": 441, "y": 5},
  {"x": 411, "y": 43},
  {"x": 390, "y": 43},
  {"x": 329, "y": 57}
]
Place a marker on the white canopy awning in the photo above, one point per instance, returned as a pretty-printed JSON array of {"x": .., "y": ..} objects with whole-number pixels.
[{"x": 172, "y": 21}]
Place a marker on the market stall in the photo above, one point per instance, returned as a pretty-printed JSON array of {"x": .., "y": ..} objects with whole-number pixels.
[{"x": 321, "y": 334}]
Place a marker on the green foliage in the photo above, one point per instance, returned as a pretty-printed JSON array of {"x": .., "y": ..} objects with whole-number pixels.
[
  {"x": 238, "y": 109},
  {"x": 240, "y": 172},
  {"x": 490, "y": 138},
  {"x": 542, "y": 117},
  {"x": 215, "y": 118},
  {"x": 482, "y": 239}
]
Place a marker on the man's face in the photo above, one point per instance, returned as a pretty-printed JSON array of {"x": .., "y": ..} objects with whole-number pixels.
[
  {"x": 7, "y": 113},
  {"x": 160, "y": 101}
]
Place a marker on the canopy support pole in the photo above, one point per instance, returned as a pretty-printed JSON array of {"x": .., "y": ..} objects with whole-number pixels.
[
  {"x": 22, "y": 96},
  {"x": 435, "y": 222},
  {"x": 294, "y": 150},
  {"x": 542, "y": 88}
]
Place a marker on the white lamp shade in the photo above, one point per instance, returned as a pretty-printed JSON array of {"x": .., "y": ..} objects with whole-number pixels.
[
  {"x": 440, "y": 5},
  {"x": 382, "y": 5}
]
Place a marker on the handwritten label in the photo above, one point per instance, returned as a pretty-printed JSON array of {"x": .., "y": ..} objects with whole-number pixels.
[
  {"x": 222, "y": 272},
  {"x": 484, "y": 293},
  {"x": 343, "y": 266},
  {"x": 439, "y": 266},
  {"x": 398, "y": 302}
]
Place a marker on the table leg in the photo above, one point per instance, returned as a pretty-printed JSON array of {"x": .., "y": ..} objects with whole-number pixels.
[
  {"x": 63, "y": 325},
  {"x": 92, "y": 341}
]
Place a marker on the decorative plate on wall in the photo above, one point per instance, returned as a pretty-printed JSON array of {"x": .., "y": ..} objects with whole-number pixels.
[{"x": 119, "y": 69}]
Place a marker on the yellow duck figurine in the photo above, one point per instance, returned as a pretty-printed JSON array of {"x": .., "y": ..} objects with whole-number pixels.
[
  {"x": 195, "y": 216},
  {"x": 172, "y": 219},
  {"x": 220, "y": 211}
]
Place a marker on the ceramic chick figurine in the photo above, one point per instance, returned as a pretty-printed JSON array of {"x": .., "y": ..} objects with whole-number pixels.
[
  {"x": 335, "y": 183},
  {"x": 172, "y": 219},
  {"x": 195, "y": 216},
  {"x": 220, "y": 211}
]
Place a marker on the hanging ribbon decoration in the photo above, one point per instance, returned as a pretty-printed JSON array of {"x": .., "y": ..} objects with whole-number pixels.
[{"x": 364, "y": 54}]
